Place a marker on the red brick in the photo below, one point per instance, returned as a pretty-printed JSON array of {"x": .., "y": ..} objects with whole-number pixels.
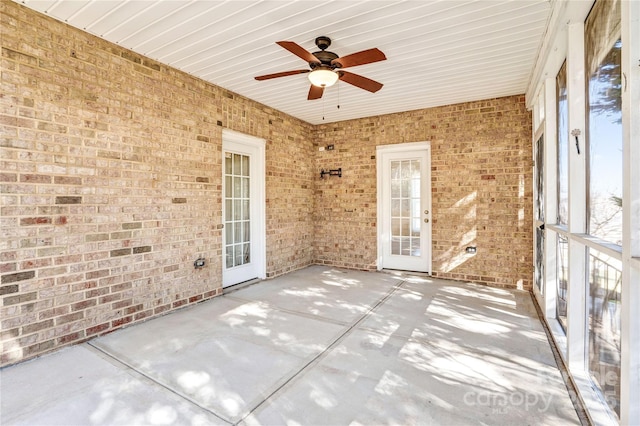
[
  {"x": 73, "y": 337},
  {"x": 8, "y": 177},
  {"x": 69, "y": 318},
  {"x": 79, "y": 306},
  {"x": 179, "y": 303},
  {"x": 98, "y": 329},
  {"x": 142, "y": 315},
  {"x": 36, "y": 178},
  {"x": 32, "y": 328},
  {"x": 28, "y": 221},
  {"x": 133, "y": 309},
  {"x": 121, "y": 304},
  {"x": 121, "y": 321},
  {"x": 96, "y": 292},
  {"x": 195, "y": 299}
]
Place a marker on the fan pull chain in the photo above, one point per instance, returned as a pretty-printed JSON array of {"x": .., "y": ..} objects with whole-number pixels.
[{"x": 323, "y": 108}]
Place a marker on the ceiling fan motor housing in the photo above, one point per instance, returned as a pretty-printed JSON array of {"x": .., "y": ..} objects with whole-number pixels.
[
  {"x": 323, "y": 56},
  {"x": 325, "y": 59}
]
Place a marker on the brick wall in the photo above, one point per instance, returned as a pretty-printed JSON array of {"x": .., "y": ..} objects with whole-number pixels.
[
  {"x": 481, "y": 189},
  {"x": 111, "y": 185}
]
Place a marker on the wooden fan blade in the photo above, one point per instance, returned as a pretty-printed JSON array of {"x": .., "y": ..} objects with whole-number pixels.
[
  {"x": 280, "y": 74},
  {"x": 298, "y": 50},
  {"x": 315, "y": 92},
  {"x": 359, "y": 58},
  {"x": 360, "y": 81}
]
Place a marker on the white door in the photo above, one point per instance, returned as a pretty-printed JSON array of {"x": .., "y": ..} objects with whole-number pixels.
[
  {"x": 243, "y": 208},
  {"x": 404, "y": 207}
]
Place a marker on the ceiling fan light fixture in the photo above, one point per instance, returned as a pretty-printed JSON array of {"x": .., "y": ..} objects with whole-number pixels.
[{"x": 323, "y": 77}]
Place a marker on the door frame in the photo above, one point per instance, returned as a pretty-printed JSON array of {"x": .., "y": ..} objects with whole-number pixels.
[
  {"x": 254, "y": 146},
  {"x": 392, "y": 149}
]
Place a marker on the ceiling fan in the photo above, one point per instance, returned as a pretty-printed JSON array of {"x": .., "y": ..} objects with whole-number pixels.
[{"x": 326, "y": 68}]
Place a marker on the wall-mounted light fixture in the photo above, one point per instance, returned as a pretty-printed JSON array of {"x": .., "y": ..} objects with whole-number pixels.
[{"x": 333, "y": 172}]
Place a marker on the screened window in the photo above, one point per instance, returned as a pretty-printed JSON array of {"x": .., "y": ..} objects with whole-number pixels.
[
  {"x": 604, "y": 193},
  {"x": 563, "y": 145},
  {"x": 604, "y": 115},
  {"x": 605, "y": 278},
  {"x": 563, "y": 278}
]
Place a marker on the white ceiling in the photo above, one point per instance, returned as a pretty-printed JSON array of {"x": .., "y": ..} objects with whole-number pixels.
[{"x": 438, "y": 52}]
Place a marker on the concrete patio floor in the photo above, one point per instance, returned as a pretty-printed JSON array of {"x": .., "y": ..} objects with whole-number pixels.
[{"x": 319, "y": 346}]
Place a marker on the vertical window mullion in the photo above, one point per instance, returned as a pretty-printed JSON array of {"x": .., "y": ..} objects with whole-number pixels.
[
  {"x": 630, "y": 321},
  {"x": 550, "y": 198},
  {"x": 576, "y": 307}
]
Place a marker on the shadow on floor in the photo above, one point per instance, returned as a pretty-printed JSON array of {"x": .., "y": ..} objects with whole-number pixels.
[{"x": 317, "y": 346}]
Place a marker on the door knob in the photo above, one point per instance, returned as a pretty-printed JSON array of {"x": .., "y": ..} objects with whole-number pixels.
[
  {"x": 426, "y": 221},
  {"x": 426, "y": 212}
]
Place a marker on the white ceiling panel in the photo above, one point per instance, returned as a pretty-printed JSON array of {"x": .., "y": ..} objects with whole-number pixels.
[
  {"x": 119, "y": 20},
  {"x": 62, "y": 8},
  {"x": 88, "y": 14},
  {"x": 438, "y": 52},
  {"x": 169, "y": 27}
]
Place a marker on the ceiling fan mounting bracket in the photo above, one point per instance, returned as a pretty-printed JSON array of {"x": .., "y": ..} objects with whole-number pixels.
[{"x": 323, "y": 42}]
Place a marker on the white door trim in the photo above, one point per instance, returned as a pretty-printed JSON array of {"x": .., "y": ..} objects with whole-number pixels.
[
  {"x": 399, "y": 148},
  {"x": 258, "y": 190}
]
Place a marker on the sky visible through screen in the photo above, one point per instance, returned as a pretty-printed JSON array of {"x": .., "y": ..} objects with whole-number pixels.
[{"x": 605, "y": 148}]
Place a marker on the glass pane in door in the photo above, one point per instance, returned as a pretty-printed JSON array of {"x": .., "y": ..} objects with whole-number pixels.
[
  {"x": 236, "y": 208},
  {"x": 405, "y": 208}
]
